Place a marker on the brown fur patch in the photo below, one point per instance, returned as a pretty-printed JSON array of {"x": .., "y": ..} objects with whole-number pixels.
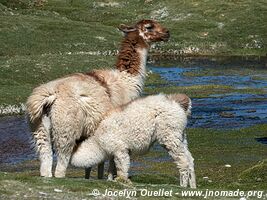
[
  {"x": 95, "y": 75},
  {"x": 182, "y": 99},
  {"x": 128, "y": 58},
  {"x": 137, "y": 37}
]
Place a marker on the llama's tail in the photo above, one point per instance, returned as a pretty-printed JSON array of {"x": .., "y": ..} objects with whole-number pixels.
[
  {"x": 41, "y": 99},
  {"x": 183, "y": 100}
]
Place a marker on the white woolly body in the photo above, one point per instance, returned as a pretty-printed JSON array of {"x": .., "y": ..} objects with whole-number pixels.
[{"x": 133, "y": 130}]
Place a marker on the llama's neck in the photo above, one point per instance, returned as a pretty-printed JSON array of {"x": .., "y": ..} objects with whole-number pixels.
[
  {"x": 132, "y": 56},
  {"x": 88, "y": 154},
  {"x": 126, "y": 82},
  {"x": 131, "y": 68}
]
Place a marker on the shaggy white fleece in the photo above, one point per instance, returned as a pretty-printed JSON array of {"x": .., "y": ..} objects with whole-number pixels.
[{"x": 132, "y": 129}]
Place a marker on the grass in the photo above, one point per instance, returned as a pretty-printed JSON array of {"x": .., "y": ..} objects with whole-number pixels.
[
  {"x": 207, "y": 27},
  {"x": 39, "y": 44},
  {"x": 212, "y": 150},
  {"x": 202, "y": 91}
]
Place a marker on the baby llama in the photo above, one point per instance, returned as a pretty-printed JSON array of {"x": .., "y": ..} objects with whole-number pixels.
[
  {"x": 69, "y": 109},
  {"x": 133, "y": 128}
]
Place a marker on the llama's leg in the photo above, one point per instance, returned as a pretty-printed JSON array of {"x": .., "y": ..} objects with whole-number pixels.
[
  {"x": 179, "y": 152},
  {"x": 122, "y": 162},
  {"x": 192, "y": 176},
  {"x": 100, "y": 170},
  {"x": 43, "y": 146},
  {"x": 64, "y": 146},
  {"x": 67, "y": 128},
  {"x": 62, "y": 164},
  {"x": 112, "y": 172},
  {"x": 87, "y": 172}
]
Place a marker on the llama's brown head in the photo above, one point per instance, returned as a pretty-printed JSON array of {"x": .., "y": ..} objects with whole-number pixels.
[{"x": 149, "y": 30}]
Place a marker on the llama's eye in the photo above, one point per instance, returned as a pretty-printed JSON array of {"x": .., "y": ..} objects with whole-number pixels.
[{"x": 149, "y": 27}]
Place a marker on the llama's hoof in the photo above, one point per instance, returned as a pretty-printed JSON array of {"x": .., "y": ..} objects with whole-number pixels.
[
  {"x": 46, "y": 174},
  {"x": 60, "y": 175},
  {"x": 110, "y": 177},
  {"x": 123, "y": 180}
]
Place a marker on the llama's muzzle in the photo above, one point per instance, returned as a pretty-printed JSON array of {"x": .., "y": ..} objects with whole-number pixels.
[{"x": 166, "y": 36}]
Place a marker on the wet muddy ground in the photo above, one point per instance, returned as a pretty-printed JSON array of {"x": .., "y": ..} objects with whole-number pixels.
[{"x": 220, "y": 111}]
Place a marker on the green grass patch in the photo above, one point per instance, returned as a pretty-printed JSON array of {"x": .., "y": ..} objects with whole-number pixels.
[
  {"x": 257, "y": 173},
  {"x": 202, "y": 91},
  {"x": 210, "y": 28},
  {"x": 211, "y": 149},
  {"x": 154, "y": 80}
]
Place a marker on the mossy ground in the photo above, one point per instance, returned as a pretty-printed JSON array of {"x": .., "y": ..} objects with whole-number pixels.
[
  {"x": 202, "y": 91},
  {"x": 212, "y": 150}
]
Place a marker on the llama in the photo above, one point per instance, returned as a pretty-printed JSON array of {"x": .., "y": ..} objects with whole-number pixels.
[
  {"x": 68, "y": 109},
  {"x": 133, "y": 128}
]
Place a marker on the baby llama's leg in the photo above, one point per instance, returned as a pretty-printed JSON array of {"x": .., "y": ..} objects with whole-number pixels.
[
  {"x": 100, "y": 170},
  {"x": 192, "y": 176},
  {"x": 112, "y": 172},
  {"x": 122, "y": 162},
  {"x": 88, "y": 172},
  {"x": 180, "y": 154},
  {"x": 43, "y": 145}
]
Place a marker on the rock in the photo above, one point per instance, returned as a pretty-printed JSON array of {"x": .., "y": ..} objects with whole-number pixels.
[
  {"x": 254, "y": 117},
  {"x": 226, "y": 115},
  {"x": 57, "y": 190},
  {"x": 43, "y": 193},
  {"x": 259, "y": 179},
  {"x": 227, "y": 165}
]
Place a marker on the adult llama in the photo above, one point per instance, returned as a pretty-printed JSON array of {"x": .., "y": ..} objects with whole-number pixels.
[{"x": 69, "y": 109}]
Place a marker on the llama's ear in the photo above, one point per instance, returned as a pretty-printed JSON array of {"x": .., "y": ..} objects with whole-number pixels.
[{"x": 126, "y": 29}]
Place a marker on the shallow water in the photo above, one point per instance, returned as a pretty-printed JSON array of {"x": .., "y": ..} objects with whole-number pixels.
[
  {"x": 175, "y": 75},
  {"x": 230, "y": 111},
  {"x": 15, "y": 140}
]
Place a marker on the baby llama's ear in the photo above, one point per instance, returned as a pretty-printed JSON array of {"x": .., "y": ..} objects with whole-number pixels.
[{"x": 126, "y": 29}]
